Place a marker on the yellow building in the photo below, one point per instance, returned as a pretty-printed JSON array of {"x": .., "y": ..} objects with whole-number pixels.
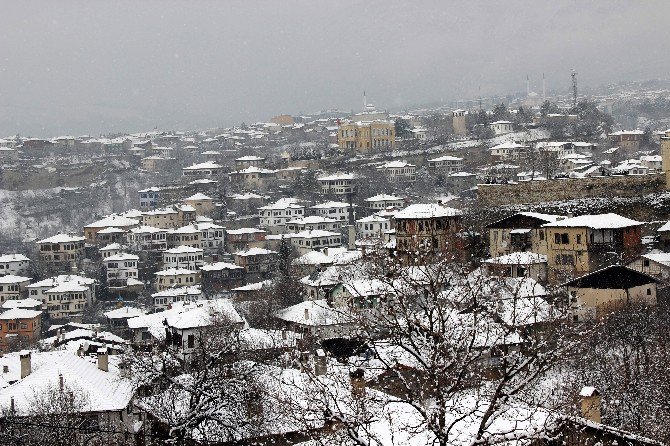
[
  {"x": 366, "y": 136},
  {"x": 665, "y": 153},
  {"x": 587, "y": 243}
]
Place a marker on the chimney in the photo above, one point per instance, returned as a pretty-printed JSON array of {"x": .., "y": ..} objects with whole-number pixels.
[
  {"x": 306, "y": 313},
  {"x": 351, "y": 231},
  {"x": 80, "y": 350},
  {"x": 103, "y": 359},
  {"x": 325, "y": 251},
  {"x": 5, "y": 369},
  {"x": 589, "y": 401},
  {"x": 320, "y": 363},
  {"x": 357, "y": 380},
  {"x": 25, "y": 363},
  {"x": 61, "y": 383},
  {"x": 11, "y": 405}
]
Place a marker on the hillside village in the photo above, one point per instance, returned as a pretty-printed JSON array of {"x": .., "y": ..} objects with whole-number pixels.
[{"x": 485, "y": 272}]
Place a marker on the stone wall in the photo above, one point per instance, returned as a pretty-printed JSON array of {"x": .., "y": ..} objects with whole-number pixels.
[{"x": 569, "y": 189}]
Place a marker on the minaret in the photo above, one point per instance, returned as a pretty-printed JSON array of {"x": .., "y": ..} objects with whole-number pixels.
[
  {"x": 527, "y": 85},
  {"x": 544, "y": 89},
  {"x": 365, "y": 101}
]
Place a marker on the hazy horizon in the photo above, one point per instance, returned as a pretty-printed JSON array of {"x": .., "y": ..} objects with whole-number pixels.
[{"x": 100, "y": 67}]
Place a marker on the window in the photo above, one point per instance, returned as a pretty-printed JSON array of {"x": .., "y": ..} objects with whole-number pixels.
[
  {"x": 579, "y": 239},
  {"x": 648, "y": 291},
  {"x": 557, "y": 239},
  {"x": 191, "y": 341},
  {"x": 645, "y": 262},
  {"x": 565, "y": 238}
]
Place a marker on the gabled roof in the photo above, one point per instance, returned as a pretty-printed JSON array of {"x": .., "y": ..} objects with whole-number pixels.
[
  {"x": 429, "y": 210},
  {"x": 616, "y": 277},
  {"x": 598, "y": 221},
  {"x": 537, "y": 218}
]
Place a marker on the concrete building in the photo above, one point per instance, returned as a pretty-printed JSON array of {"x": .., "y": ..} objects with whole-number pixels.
[{"x": 366, "y": 136}]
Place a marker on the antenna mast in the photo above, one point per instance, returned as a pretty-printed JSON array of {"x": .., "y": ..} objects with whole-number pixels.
[
  {"x": 574, "y": 88},
  {"x": 544, "y": 89}
]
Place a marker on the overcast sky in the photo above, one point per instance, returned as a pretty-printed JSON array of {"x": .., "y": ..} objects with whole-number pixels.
[{"x": 97, "y": 67}]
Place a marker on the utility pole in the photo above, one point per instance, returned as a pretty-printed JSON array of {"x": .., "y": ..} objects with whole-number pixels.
[{"x": 574, "y": 88}]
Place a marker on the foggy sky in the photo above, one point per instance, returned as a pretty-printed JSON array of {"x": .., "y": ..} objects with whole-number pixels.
[{"x": 97, "y": 67}]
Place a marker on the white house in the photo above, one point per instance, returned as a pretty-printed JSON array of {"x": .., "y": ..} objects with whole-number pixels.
[
  {"x": 78, "y": 291},
  {"x": 16, "y": 264},
  {"x": 167, "y": 298},
  {"x": 212, "y": 236},
  {"x": 186, "y": 257},
  {"x": 276, "y": 215},
  {"x": 120, "y": 268},
  {"x": 176, "y": 277},
  {"x": 373, "y": 226},
  {"x": 147, "y": 238},
  {"x": 202, "y": 170},
  {"x": 398, "y": 171},
  {"x": 314, "y": 222},
  {"x": 306, "y": 241},
  {"x": 508, "y": 151},
  {"x": 334, "y": 209},
  {"x": 13, "y": 287},
  {"x": 338, "y": 184},
  {"x": 501, "y": 127},
  {"x": 446, "y": 164},
  {"x": 149, "y": 197},
  {"x": 384, "y": 201}
]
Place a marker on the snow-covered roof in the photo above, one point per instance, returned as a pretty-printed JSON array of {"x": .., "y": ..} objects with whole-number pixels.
[
  {"x": 113, "y": 220},
  {"x": 664, "y": 228},
  {"x": 62, "y": 279},
  {"x": 62, "y": 238},
  {"x": 335, "y": 256},
  {"x": 659, "y": 257},
  {"x": 219, "y": 266},
  {"x": 313, "y": 313},
  {"x": 598, "y": 221},
  {"x": 101, "y": 391},
  {"x": 175, "y": 272},
  {"x": 198, "y": 197},
  {"x": 374, "y": 218},
  {"x": 21, "y": 303},
  {"x": 123, "y": 313},
  {"x": 121, "y": 257},
  {"x": 19, "y": 313},
  {"x": 249, "y": 158},
  {"x": 255, "y": 252},
  {"x": 338, "y": 176},
  {"x": 383, "y": 197},
  {"x": 203, "y": 313},
  {"x": 8, "y": 258},
  {"x": 241, "y": 231},
  {"x": 518, "y": 258},
  {"x": 313, "y": 219},
  {"x": 12, "y": 279},
  {"x": 395, "y": 165},
  {"x": 426, "y": 210},
  {"x": 446, "y": 158},
  {"x": 184, "y": 250},
  {"x": 202, "y": 166},
  {"x": 332, "y": 205},
  {"x": 315, "y": 233}
]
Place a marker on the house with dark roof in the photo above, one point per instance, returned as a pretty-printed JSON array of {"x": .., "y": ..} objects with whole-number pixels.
[
  {"x": 520, "y": 232},
  {"x": 596, "y": 294}
]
